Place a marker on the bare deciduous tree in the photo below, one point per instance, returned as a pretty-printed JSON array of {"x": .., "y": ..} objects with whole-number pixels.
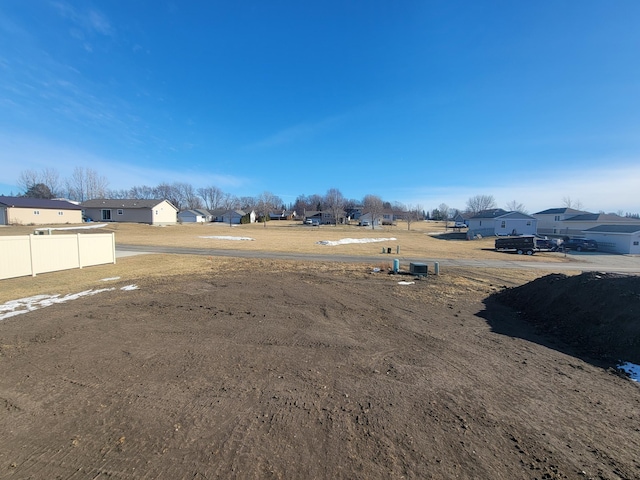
[
  {"x": 86, "y": 184},
  {"x": 266, "y": 203},
  {"x": 444, "y": 210},
  {"x": 48, "y": 179},
  {"x": 334, "y": 201},
  {"x": 514, "y": 206},
  {"x": 479, "y": 203},
  {"x": 212, "y": 197},
  {"x": 569, "y": 203},
  {"x": 411, "y": 214},
  {"x": 27, "y": 179},
  {"x": 374, "y": 206}
]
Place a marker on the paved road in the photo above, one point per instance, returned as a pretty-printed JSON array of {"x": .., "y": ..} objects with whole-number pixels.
[{"x": 580, "y": 261}]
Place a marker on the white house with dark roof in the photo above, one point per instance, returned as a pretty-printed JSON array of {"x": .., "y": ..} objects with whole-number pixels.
[
  {"x": 569, "y": 222},
  {"x": 38, "y": 211},
  {"x": 616, "y": 238},
  {"x": 551, "y": 221},
  {"x": 501, "y": 222},
  {"x": 154, "y": 212}
]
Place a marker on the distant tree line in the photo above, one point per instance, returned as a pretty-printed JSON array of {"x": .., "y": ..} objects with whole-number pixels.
[{"x": 86, "y": 184}]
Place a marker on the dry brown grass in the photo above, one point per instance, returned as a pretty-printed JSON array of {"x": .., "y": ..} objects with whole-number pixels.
[
  {"x": 277, "y": 236},
  {"x": 282, "y": 236}
]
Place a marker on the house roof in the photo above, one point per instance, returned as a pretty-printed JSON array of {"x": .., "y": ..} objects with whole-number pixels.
[
  {"x": 493, "y": 213},
  {"x": 515, "y": 214},
  {"x": 27, "y": 202},
  {"x": 559, "y": 211},
  {"x": 128, "y": 203},
  {"x": 202, "y": 211},
  {"x": 195, "y": 212},
  {"x": 614, "y": 229},
  {"x": 602, "y": 217}
]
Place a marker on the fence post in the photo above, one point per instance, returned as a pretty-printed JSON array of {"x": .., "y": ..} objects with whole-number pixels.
[{"x": 33, "y": 270}]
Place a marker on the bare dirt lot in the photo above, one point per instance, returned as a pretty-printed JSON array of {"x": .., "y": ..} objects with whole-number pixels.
[{"x": 263, "y": 369}]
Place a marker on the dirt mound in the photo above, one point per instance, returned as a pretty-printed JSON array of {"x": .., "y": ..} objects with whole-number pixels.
[{"x": 598, "y": 314}]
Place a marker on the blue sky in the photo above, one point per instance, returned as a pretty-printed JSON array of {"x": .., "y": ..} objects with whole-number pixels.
[{"x": 421, "y": 102}]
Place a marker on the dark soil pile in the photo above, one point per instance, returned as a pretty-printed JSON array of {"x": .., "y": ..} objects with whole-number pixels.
[{"x": 598, "y": 314}]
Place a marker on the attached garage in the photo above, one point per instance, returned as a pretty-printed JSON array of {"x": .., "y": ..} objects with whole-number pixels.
[{"x": 623, "y": 239}]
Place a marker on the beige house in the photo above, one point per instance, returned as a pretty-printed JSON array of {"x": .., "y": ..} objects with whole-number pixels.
[
  {"x": 38, "y": 211},
  {"x": 154, "y": 212}
]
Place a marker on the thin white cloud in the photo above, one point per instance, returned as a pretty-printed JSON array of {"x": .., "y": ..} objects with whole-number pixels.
[
  {"x": 19, "y": 153},
  {"x": 298, "y": 133},
  {"x": 90, "y": 21}
]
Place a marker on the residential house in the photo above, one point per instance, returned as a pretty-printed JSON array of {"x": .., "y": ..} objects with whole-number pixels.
[
  {"x": 551, "y": 221},
  {"x": 325, "y": 217},
  {"x": 461, "y": 217},
  {"x": 282, "y": 215},
  {"x": 386, "y": 217},
  {"x": 196, "y": 215},
  {"x": 153, "y": 212},
  {"x": 566, "y": 222},
  {"x": 218, "y": 214},
  {"x": 38, "y": 211},
  {"x": 616, "y": 238},
  {"x": 576, "y": 225},
  {"x": 234, "y": 217},
  {"x": 500, "y": 222}
]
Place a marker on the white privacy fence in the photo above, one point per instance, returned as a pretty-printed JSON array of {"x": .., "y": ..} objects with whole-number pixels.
[{"x": 24, "y": 255}]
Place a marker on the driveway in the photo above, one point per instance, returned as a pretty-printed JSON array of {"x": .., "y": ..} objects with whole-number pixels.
[{"x": 584, "y": 261}]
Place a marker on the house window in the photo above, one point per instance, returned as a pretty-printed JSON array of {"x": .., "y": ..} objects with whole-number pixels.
[
  {"x": 480, "y": 222},
  {"x": 529, "y": 223},
  {"x": 635, "y": 243},
  {"x": 36, "y": 212},
  {"x": 60, "y": 213},
  {"x": 120, "y": 211},
  {"x": 503, "y": 224},
  {"x": 156, "y": 212},
  {"x": 557, "y": 218}
]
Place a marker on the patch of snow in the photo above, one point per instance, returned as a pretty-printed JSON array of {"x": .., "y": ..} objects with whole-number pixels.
[
  {"x": 346, "y": 241},
  {"x": 86, "y": 227},
  {"x": 227, "y": 237},
  {"x": 29, "y": 304},
  {"x": 406, "y": 283},
  {"x": 110, "y": 278},
  {"x": 632, "y": 369}
]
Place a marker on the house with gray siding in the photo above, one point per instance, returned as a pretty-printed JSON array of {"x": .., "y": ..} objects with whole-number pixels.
[
  {"x": 153, "y": 212},
  {"x": 500, "y": 222}
]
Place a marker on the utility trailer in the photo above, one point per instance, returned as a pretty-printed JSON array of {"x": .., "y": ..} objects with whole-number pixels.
[{"x": 519, "y": 244}]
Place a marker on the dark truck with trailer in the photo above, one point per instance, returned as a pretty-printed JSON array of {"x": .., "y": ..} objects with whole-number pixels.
[{"x": 519, "y": 244}]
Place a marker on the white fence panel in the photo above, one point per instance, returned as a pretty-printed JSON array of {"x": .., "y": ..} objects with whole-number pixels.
[
  {"x": 15, "y": 257},
  {"x": 97, "y": 249},
  {"x": 32, "y": 254},
  {"x": 54, "y": 252}
]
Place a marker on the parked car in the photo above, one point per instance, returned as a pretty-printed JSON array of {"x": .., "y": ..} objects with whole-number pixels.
[
  {"x": 365, "y": 223},
  {"x": 460, "y": 225},
  {"x": 580, "y": 244},
  {"x": 545, "y": 245}
]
